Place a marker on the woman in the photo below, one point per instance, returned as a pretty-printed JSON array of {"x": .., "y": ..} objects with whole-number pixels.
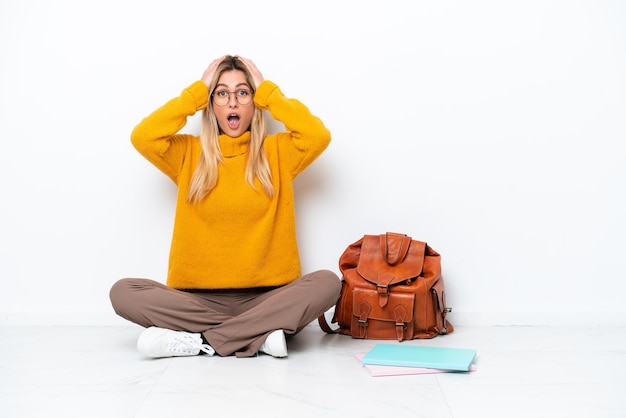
[{"x": 234, "y": 283}]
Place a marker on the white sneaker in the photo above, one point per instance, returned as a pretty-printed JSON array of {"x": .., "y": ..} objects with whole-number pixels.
[
  {"x": 161, "y": 342},
  {"x": 275, "y": 345}
]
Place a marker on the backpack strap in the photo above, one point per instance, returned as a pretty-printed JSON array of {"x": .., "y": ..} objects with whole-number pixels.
[
  {"x": 394, "y": 247},
  {"x": 321, "y": 320}
]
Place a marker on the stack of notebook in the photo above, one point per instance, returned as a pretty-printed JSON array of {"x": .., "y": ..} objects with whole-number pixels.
[{"x": 399, "y": 359}]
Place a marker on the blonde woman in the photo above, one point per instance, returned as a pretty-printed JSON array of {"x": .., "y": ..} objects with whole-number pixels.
[{"x": 234, "y": 284}]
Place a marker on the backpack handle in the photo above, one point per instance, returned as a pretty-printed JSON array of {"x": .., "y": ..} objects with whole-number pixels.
[{"x": 394, "y": 247}]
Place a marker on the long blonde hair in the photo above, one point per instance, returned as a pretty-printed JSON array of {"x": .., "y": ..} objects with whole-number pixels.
[{"x": 205, "y": 175}]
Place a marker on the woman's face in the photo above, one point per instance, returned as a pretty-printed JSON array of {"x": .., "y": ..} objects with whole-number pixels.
[{"x": 232, "y": 89}]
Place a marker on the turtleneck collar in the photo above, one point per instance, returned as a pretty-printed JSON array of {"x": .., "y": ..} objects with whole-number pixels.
[{"x": 232, "y": 147}]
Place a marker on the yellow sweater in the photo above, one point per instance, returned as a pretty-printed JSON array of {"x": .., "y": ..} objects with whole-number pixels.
[{"x": 236, "y": 237}]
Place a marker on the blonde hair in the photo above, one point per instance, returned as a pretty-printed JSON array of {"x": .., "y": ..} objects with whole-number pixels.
[{"x": 204, "y": 177}]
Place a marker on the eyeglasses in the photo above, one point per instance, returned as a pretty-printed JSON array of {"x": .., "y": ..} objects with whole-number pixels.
[{"x": 222, "y": 97}]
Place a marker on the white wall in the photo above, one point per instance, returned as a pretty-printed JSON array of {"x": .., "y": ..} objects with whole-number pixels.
[{"x": 492, "y": 130}]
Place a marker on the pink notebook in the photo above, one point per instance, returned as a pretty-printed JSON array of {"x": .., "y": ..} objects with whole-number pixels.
[{"x": 377, "y": 371}]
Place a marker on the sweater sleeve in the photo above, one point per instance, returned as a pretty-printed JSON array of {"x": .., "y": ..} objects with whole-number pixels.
[
  {"x": 306, "y": 137},
  {"x": 155, "y": 137}
]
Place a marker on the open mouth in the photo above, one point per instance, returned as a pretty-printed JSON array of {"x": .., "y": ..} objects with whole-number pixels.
[{"x": 233, "y": 121}]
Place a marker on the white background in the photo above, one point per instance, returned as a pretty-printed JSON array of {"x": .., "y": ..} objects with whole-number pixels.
[{"x": 492, "y": 130}]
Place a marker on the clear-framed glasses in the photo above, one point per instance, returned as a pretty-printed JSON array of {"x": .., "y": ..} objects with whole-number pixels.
[{"x": 221, "y": 97}]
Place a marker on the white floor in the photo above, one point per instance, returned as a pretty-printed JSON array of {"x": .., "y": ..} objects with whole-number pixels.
[{"x": 521, "y": 372}]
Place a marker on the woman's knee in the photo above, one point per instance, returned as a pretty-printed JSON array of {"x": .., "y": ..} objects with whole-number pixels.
[
  {"x": 120, "y": 293},
  {"x": 331, "y": 282}
]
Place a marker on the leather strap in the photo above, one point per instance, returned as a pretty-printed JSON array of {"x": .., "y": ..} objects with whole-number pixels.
[
  {"x": 399, "y": 313},
  {"x": 394, "y": 247},
  {"x": 321, "y": 320},
  {"x": 383, "y": 288},
  {"x": 363, "y": 310}
]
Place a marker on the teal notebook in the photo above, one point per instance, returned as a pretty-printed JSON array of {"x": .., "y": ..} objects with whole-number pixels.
[{"x": 417, "y": 356}]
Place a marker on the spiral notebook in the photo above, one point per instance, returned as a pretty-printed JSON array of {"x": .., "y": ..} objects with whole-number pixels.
[{"x": 418, "y": 356}]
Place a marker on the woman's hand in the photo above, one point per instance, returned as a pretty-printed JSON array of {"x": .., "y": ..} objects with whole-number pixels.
[
  {"x": 257, "y": 77},
  {"x": 207, "y": 77}
]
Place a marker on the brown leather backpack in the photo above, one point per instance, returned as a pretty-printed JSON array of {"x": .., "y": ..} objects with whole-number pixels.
[{"x": 392, "y": 289}]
